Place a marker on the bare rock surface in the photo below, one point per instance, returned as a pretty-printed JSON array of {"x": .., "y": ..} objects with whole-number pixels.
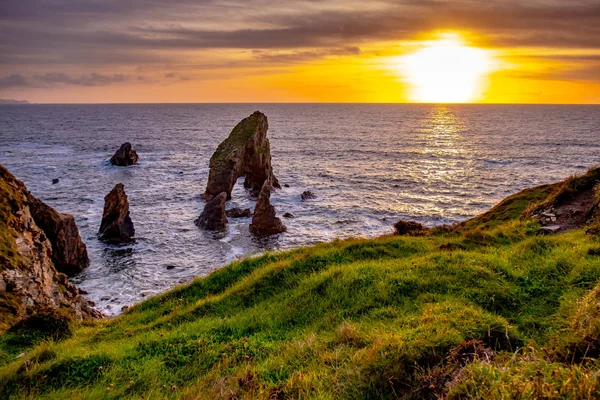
[
  {"x": 69, "y": 253},
  {"x": 238, "y": 213},
  {"x": 308, "y": 195},
  {"x": 29, "y": 281},
  {"x": 116, "y": 226},
  {"x": 213, "y": 217},
  {"x": 265, "y": 221},
  {"x": 246, "y": 152},
  {"x": 125, "y": 156}
]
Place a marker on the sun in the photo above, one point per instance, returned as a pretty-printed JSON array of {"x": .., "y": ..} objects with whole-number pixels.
[{"x": 446, "y": 71}]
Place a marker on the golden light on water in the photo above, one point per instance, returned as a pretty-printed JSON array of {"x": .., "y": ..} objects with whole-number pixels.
[{"x": 446, "y": 71}]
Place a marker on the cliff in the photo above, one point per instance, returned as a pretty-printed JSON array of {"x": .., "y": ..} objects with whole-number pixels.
[
  {"x": 29, "y": 280},
  {"x": 493, "y": 308}
]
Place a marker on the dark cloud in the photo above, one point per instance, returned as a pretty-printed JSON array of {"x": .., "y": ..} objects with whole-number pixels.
[
  {"x": 14, "y": 80},
  {"x": 59, "y": 78},
  {"x": 159, "y": 32},
  {"x": 303, "y": 56},
  {"x": 93, "y": 79}
]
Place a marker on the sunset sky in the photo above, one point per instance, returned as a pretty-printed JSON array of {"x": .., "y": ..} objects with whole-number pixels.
[{"x": 495, "y": 51}]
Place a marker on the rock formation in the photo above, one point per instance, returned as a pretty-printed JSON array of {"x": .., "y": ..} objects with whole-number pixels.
[
  {"x": 409, "y": 228},
  {"x": 213, "y": 216},
  {"x": 308, "y": 195},
  {"x": 125, "y": 156},
  {"x": 29, "y": 281},
  {"x": 116, "y": 226},
  {"x": 69, "y": 253},
  {"x": 246, "y": 152},
  {"x": 265, "y": 221},
  {"x": 238, "y": 213}
]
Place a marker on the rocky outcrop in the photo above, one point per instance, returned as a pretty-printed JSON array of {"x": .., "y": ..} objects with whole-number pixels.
[
  {"x": 213, "y": 217},
  {"x": 409, "y": 228},
  {"x": 308, "y": 195},
  {"x": 125, "y": 156},
  {"x": 29, "y": 281},
  {"x": 116, "y": 226},
  {"x": 69, "y": 253},
  {"x": 246, "y": 152},
  {"x": 239, "y": 213},
  {"x": 265, "y": 221}
]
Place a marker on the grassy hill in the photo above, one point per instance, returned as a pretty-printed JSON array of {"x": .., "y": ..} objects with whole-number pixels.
[{"x": 487, "y": 309}]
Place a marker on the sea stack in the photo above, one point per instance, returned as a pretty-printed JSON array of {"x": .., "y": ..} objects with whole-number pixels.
[
  {"x": 69, "y": 253},
  {"x": 265, "y": 221},
  {"x": 125, "y": 156},
  {"x": 29, "y": 280},
  {"x": 246, "y": 152},
  {"x": 213, "y": 217},
  {"x": 116, "y": 226}
]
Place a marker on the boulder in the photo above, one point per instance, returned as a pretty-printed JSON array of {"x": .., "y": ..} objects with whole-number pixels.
[
  {"x": 550, "y": 229},
  {"x": 409, "y": 228},
  {"x": 125, "y": 156},
  {"x": 213, "y": 217},
  {"x": 238, "y": 213},
  {"x": 116, "y": 226},
  {"x": 307, "y": 195},
  {"x": 246, "y": 152},
  {"x": 55, "y": 181},
  {"x": 265, "y": 221},
  {"x": 29, "y": 281},
  {"x": 288, "y": 215},
  {"x": 69, "y": 253}
]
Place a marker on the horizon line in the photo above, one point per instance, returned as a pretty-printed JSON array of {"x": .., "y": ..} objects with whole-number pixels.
[{"x": 294, "y": 103}]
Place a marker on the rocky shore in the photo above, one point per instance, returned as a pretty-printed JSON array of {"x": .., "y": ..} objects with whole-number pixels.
[{"x": 37, "y": 245}]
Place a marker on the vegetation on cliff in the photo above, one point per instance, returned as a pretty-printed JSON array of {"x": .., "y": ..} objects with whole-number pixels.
[{"x": 491, "y": 308}]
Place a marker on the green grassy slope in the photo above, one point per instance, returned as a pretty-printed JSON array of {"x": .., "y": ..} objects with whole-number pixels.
[{"x": 488, "y": 310}]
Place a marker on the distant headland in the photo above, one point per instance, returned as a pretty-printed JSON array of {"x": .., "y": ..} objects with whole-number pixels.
[{"x": 12, "y": 101}]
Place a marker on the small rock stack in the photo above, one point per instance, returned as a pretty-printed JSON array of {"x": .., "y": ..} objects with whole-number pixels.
[{"x": 116, "y": 226}]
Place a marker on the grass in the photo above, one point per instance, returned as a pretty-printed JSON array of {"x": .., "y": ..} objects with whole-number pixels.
[{"x": 490, "y": 309}]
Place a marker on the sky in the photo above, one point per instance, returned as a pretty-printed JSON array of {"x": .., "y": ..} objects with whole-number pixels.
[{"x": 163, "y": 51}]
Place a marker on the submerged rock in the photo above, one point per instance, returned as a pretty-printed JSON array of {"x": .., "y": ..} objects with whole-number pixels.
[
  {"x": 239, "y": 213},
  {"x": 265, "y": 221},
  {"x": 246, "y": 152},
  {"x": 213, "y": 217},
  {"x": 307, "y": 195},
  {"x": 288, "y": 215},
  {"x": 29, "y": 281},
  {"x": 125, "y": 156},
  {"x": 55, "y": 181},
  {"x": 69, "y": 253},
  {"x": 116, "y": 226}
]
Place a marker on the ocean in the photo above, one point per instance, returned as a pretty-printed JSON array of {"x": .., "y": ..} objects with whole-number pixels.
[{"x": 368, "y": 164}]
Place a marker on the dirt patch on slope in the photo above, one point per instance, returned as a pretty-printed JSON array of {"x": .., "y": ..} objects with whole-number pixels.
[{"x": 572, "y": 214}]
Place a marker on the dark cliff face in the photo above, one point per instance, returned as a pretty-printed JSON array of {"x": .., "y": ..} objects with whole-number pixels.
[
  {"x": 213, "y": 216},
  {"x": 246, "y": 152},
  {"x": 69, "y": 253},
  {"x": 29, "y": 280},
  {"x": 116, "y": 226}
]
